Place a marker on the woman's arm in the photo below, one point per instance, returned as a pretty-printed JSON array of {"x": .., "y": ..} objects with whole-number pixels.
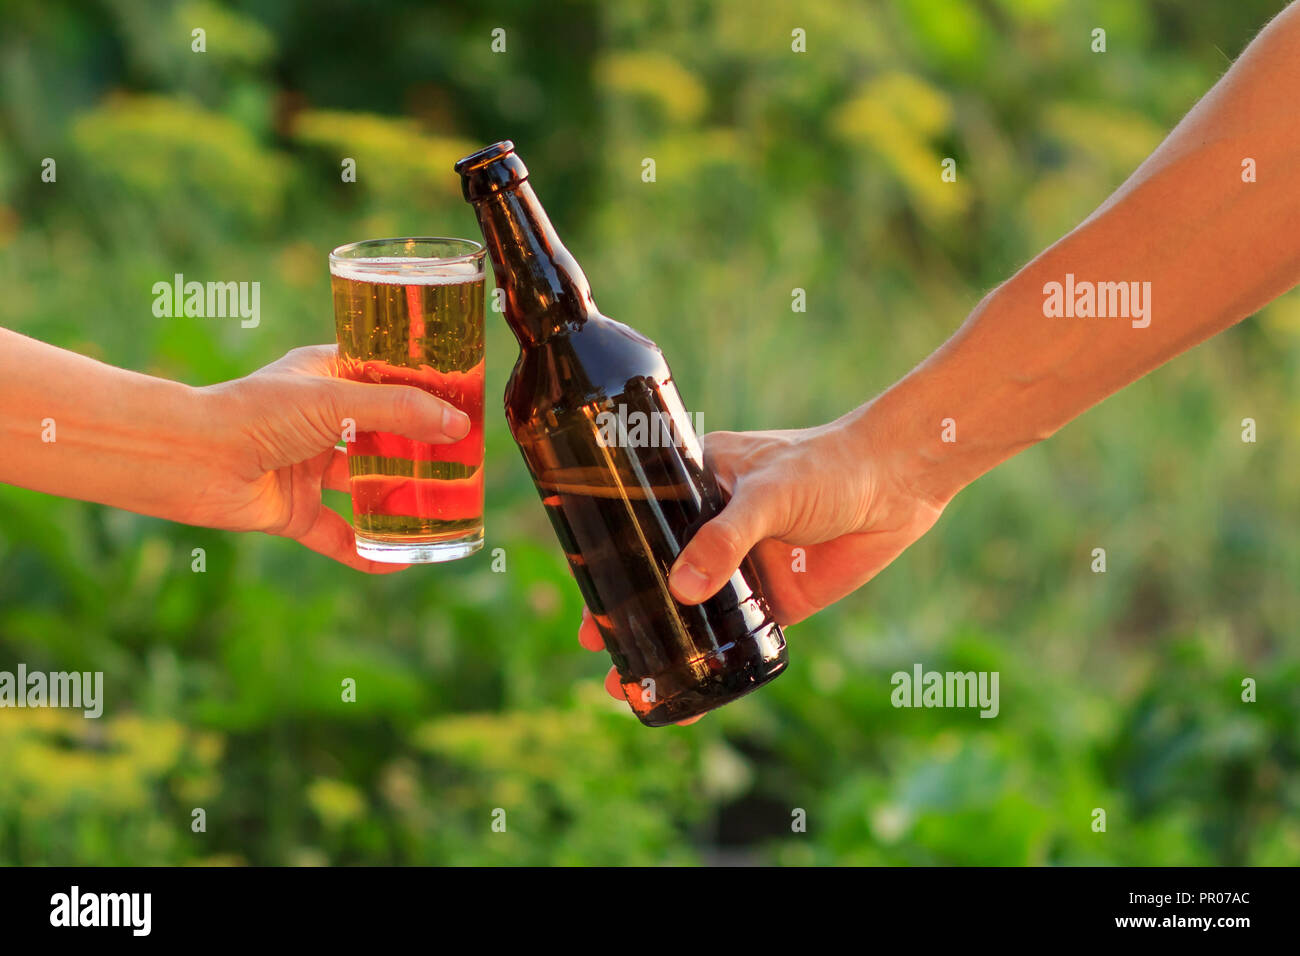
[
  {"x": 78, "y": 428},
  {"x": 248, "y": 455}
]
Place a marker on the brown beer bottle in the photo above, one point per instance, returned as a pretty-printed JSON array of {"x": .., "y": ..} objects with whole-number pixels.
[{"x": 611, "y": 449}]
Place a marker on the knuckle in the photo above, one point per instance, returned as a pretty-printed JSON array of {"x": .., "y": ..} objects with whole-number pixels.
[
  {"x": 728, "y": 536},
  {"x": 302, "y": 356},
  {"x": 409, "y": 404},
  {"x": 338, "y": 402},
  {"x": 716, "y": 443}
]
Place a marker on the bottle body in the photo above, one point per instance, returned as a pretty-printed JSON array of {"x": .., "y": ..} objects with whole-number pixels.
[
  {"x": 611, "y": 448},
  {"x": 618, "y": 466}
]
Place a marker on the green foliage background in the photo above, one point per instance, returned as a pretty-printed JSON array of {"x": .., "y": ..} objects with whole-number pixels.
[{"x": 776, "y": 170}]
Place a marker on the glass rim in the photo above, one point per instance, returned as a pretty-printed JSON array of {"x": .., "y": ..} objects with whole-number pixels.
[{"x": 396, "y": 262}]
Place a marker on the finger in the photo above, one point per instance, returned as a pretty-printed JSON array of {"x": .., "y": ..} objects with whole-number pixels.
[
  {"x": 400, "y": 409},
  {"x": 331, "y": 536},
  {"x": 717, "y": 549},
  {"x": 719, "y": 458},
  {"x": 336, "y": 476},
  {"x": 589, "y": 634}
]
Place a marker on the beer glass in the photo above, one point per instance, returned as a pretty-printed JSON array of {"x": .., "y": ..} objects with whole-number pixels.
[{"x": 410, "y": 312}]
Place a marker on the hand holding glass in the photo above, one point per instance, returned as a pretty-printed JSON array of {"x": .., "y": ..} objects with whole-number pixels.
[{"x": 410, "y": 312}]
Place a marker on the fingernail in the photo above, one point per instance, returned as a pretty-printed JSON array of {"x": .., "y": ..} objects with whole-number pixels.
[
  {"x": 455, "y": 423},
  {"x": 688, "y": 582}
]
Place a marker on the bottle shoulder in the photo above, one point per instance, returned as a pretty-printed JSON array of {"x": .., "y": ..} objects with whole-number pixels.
[{"x": 594, "y": 362}]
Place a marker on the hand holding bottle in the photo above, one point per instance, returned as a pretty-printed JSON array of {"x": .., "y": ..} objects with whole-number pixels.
[{"x": 820, "y": 510}]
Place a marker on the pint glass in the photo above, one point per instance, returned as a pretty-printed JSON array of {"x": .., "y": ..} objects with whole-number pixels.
[{"x": 410, "y": 312}]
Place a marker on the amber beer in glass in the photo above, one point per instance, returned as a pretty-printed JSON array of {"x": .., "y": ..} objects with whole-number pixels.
[
  {"x": 410, "y": 312},
  {"x": 590, "y": 402}
]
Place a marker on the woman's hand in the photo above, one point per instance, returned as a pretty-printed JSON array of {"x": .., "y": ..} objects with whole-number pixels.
[
  {"x": 822, "y": 510},
  {"x": 249, "y": 455},
  {"x": 275, "y": 436}
]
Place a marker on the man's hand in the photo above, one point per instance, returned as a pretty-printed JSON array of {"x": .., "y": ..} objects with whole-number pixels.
[{"x": 825, "y": 490}]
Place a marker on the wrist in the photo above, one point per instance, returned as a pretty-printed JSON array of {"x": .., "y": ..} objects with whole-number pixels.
[
  {"x": 991, "y": 391},
  {"x": 934, "y": 435},
  {"x": 901, "y": 435},
  {"x": 172, "y": 448}
]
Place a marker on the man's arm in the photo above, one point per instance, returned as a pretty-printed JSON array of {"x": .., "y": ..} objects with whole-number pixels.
[{"x": 1213, "y": 248}]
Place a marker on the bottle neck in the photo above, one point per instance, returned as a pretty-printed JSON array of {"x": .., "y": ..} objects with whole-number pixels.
[{"x": 545, "y": 288}]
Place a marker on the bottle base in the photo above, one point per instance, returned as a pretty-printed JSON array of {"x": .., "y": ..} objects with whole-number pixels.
[{"x": 716, "y": 691}]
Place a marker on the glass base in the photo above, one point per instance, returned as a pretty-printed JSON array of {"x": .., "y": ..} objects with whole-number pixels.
[{"x": 396, "y": 551}]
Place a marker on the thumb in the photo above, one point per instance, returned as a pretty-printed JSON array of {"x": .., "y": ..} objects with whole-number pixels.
[
  {"x": 714, "y": 554},
  {"x": 401, "y": 409}
]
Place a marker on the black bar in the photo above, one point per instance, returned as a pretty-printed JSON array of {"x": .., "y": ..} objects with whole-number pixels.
[{"x": 440, "y": 906}]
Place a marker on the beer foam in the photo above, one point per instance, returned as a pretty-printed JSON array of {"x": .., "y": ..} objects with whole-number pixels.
[{"x": 398, "y": 270}]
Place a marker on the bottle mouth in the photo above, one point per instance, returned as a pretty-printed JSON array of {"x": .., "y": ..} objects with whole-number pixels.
[
  {"x": 484, "y": 156},
  {"x": 493, "y": 169}
]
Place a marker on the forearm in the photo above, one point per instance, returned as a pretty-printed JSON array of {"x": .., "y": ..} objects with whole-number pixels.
[
  {"x": 75, "y": 427},
  {"x": 1212, "y": 247}
]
